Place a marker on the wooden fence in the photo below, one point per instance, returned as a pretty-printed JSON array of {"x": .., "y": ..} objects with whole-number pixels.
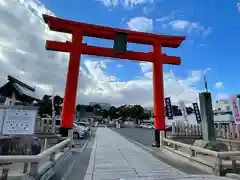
[{"x": 230, "y": 131}]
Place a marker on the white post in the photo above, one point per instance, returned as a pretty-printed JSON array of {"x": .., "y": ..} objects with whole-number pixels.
[
  {"x": 13, "y": 99},
  {"x": 173, "y": 129},
  {"x": 70, "y": 136},
  {"x": 53, "y": 113},
  {"x": 162, "y": 136}
]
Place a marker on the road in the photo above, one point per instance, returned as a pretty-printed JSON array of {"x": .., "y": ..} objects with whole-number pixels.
[{"x": 141, "y": 135}]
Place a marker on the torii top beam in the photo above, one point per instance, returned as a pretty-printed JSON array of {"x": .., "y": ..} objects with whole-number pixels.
[{"x": 90, "y": 30}]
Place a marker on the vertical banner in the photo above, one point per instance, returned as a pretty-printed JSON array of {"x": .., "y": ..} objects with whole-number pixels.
[
  {"x": 169, "y": 110},
  {"x": 236, "y": 114},
  {"x": 183, "y": 110},
  {"x": 197, "y": 112}
]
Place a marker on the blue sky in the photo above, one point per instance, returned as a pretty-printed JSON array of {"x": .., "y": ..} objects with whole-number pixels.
[{"x": 218, "y": 49}]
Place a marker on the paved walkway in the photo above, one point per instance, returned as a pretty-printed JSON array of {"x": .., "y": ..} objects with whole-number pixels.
[{"x": 115, "y": 158}]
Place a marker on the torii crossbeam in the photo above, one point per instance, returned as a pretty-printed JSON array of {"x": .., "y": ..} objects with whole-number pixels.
[{"x": 120, "y": 37}]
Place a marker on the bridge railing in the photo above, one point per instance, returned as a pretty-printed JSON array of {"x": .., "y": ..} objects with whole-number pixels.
[
  {"x": 229, "y": 131},
  {"x": 212, "y": 161},
  {"x": 33, "y": 165}
]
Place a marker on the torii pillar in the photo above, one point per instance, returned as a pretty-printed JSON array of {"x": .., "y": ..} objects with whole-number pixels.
[{"x": 121, "y": 37}]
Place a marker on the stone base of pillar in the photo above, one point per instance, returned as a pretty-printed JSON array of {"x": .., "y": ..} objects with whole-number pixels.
[
  {"x": 156, "y": 142},
  {"x": 64, "y": 131}
]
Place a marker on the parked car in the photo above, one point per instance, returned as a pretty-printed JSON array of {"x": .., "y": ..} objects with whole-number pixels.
[
  {"x": 78, "y": 131},
  {"x": 86, "y": 127},
  {"x": 84, "y": 124}
]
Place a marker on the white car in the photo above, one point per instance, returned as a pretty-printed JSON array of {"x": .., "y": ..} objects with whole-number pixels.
[
  {"x": 85, "y": 125},
  {"x": 78, "y": 131}
]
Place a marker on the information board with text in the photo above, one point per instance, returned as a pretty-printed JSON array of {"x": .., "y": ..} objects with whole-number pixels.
[{"x": 19, "y": 121}]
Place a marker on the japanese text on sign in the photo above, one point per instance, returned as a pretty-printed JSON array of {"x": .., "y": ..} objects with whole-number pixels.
[
  {"x": 169, "y": 108},
  {"x": 197, "y": 112},
  {"x": 18, "y": 122}
]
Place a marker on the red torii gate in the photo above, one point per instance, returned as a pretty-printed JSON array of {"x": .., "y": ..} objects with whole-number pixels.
[{"x": 120, "y": 37}]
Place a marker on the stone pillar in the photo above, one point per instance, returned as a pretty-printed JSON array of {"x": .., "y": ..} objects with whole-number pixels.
[
  {"x": 208, "y": 129},
  {"x": 207, "y": 117}
]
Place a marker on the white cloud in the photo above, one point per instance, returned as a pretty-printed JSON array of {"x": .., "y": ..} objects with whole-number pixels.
[
  {"x": 119, "y": 66},
  {"x": 23, "y": 55},
  {"x": 125, "y": 3},
  {"x": 140, "y": 24},
  {"x": 219, "y": 85},
  {"x": 190, "y": 27}
]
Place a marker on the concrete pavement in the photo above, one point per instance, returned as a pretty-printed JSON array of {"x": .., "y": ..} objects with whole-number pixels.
[
  {"x": 143, "y": 138},
  {"x": 114, "y": 157}
]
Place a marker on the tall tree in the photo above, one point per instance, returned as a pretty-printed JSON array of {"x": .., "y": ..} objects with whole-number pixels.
[
  {"x": 124, "y": 111},
  {"x": 105, "y": 113},
  {"x": 78, "y": 107},
  {"x": 89, "y": 108},
  {"x": 45, "y": 106},
  {"x": 112, "y": 113},
  {"x": 136, "y": 111},
  {"x": 58, "y": 100}
]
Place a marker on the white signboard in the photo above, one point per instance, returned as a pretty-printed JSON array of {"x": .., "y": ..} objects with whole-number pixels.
[{"x": 19, "y": 122}]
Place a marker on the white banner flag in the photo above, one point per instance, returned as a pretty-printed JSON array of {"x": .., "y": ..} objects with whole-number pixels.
[{"x": 183, "y": 110}]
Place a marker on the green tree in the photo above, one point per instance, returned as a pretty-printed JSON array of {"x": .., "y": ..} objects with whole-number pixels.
[
  {"x": 105, "y": 113},
  {"x": 125, "y": 111},
  {"x": 45, "y": 106},
  {"x": 112, "y": 113},
  {"x": 89, "y": 108},
  {"x": 136, "y": 111},
  {"x": 78, "y": 107},
  {"x": 58, "y": 100}
]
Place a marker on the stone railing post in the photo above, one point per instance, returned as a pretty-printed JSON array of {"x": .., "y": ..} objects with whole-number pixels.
[
  {"x": 70, "y": 136},
  {"x": 4, "y": 175},
  {"x": 34, "y": 169}
]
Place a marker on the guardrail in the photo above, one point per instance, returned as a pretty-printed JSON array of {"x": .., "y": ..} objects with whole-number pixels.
[
  {"x": 217, "y": 161},
  {"x": 53, "y": 153}
]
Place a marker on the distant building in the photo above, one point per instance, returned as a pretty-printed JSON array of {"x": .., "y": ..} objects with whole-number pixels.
[
  {"x": 223, "y": 106},
  {"x": 102, "y": 105}
]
